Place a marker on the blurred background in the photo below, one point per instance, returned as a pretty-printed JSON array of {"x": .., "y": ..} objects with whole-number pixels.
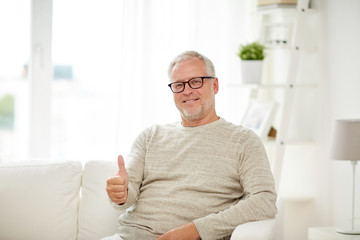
[
  {"x": 80, "y": 79},
  {"x": 108, "y": 62}
]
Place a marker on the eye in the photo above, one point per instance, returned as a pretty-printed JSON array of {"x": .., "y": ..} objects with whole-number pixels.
[
  {"x": 177, "y": 85},
  {"x": 196, "y": 81}
]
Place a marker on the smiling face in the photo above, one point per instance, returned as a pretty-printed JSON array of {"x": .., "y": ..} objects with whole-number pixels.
[{"x": 196, "y": 106}]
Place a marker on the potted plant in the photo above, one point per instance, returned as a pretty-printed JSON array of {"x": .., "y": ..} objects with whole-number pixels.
[{"x": 252, "y": 56}]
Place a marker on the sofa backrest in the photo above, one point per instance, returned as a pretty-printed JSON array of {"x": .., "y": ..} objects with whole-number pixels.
[
  {"x": 97, "y": 217},
  {"x": 46, "y": 201},
  {"x": 39, "y": 200}
]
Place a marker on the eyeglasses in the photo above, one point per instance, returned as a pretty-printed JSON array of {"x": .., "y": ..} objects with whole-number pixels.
[{"x": 194, "y": 83}]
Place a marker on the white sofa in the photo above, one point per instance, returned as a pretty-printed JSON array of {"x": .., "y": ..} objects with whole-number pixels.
[{"x": 68, "y": 201}]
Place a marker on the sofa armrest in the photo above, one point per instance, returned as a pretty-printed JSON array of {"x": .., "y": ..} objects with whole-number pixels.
[{"x": 258, "y": 230}]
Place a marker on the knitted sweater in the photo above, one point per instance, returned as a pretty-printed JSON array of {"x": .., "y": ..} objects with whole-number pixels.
[{"x": 215, "y": 175}]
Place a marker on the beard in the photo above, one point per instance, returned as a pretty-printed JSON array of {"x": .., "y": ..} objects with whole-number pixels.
[
  {"x": 193, "y": 116},
  {"x": 201, "y": 112}
]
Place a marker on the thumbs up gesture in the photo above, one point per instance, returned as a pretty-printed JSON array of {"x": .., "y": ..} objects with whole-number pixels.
[{"x": 117, "y": 185}]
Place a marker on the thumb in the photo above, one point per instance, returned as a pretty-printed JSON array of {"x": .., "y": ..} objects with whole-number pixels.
[{"x": 121, "y": 165}]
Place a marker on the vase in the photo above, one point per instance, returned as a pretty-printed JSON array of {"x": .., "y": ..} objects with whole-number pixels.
[{"x": 251, "y": 71}]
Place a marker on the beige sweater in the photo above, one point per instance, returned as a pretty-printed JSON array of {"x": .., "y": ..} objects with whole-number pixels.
[{"x": 216, "y": 175}]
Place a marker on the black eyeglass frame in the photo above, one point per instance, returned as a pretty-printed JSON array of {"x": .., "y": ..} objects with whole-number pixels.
[{"x": 188, "y": 82}]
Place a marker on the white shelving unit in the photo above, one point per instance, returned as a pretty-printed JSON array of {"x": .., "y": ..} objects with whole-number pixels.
[
  {"x": 290, "y": 80},
  {"x": 295, "y": 47},
  {"x": 289, "y": 42}
]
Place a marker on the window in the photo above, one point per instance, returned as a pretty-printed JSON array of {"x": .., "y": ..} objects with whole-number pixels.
[
  {"x": 86, "y": 53},
  {"x": 14, "y": 59},
  {"x": 108, "y": 70}
]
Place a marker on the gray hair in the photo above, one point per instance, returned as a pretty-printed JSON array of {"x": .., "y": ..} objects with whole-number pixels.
[{"x": 210, "y": 69}]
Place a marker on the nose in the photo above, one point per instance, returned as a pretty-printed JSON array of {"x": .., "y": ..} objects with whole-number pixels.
[{"x": 187, "y": 88}]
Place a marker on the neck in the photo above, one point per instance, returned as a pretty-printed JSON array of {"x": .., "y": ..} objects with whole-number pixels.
[{"x": 199, "y": 122}]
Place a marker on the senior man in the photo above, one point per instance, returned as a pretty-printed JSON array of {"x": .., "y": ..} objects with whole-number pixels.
[{"x": 198, "y": 178}]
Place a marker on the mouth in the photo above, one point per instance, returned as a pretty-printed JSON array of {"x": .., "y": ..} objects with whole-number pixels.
[{"x": 190, "y": 100}]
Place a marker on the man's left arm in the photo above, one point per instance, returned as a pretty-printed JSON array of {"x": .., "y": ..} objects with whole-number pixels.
[
  {"x": 185, "y": 232},
  {"x": 257, "y": 207},
  {"x": 214, "y": 226},
  {"x": 258, "y": 201}
]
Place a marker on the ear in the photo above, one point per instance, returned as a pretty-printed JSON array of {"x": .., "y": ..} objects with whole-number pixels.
[{"x": 216, "y": 85}]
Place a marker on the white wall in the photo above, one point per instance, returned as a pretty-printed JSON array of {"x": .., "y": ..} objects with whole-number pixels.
[
  {"x": 327, "y": 181},
  {"x": 339, "y": 87},
  {"x": 341, "y": 98}
]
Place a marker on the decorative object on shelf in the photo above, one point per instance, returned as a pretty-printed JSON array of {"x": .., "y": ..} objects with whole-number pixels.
[
  {"x": 276, "y": 2},
  {"x": 346, "y": 146},
  {"x": 272, "y": 133},
  {"x": 252, "y": 56},
  {"x": 277, "y": 34},
  {"x": 276, "y": 22},
  {"x": 258, "y": 116}
]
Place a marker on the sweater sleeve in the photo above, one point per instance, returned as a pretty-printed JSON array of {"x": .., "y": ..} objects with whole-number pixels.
[
  {"x": 135, "y": 170},
  {"x": 258, "y": 201}
]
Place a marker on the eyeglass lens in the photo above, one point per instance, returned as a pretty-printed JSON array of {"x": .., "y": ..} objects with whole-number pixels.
[{"x": 193, "y": 83}]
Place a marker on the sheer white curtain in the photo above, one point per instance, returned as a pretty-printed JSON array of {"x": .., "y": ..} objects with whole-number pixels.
[
  {"x": 156, "y": 31},
  {"x": 118, "y": 52},
  {"x": 153, "y": 33}
]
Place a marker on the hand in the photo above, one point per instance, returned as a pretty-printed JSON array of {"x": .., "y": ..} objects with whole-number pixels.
[
  {"x": 117, "y": 186},
  {"x": 185, "y": 232}
]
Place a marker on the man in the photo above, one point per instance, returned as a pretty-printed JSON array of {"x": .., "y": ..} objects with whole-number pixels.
[{"x": 198, "y": 178}]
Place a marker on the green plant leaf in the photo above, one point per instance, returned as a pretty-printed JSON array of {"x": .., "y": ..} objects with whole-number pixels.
[{"x": 252, "y": 51}]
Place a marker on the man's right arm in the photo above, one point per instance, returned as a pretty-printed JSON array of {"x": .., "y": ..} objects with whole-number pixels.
[
  {"x": 117, "y": 185},
  {"x": 124, "y": 187}
]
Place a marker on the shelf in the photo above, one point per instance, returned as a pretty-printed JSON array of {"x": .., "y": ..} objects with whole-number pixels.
[
  {"x": 276, "y": 9},
  {"x": 279, "y": 9},
  {"x": 264, "y": 86}
]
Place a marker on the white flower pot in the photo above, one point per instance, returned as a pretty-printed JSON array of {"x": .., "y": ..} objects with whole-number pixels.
[{"x": 251, "y": 71}]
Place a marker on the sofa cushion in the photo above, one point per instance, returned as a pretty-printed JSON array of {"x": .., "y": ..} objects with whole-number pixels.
[
  {"x": 97, "y": 217},
  {"x": 39, "y": 200}
]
